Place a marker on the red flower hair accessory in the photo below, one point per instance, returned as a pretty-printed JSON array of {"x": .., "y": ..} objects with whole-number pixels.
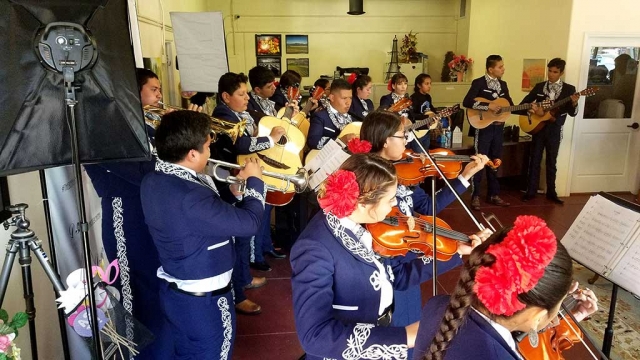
[
  {"x": 276, "y": 83},
  {"x": 520, "y": 262},
  {"x": 357, "y": 146},
  {"x": 352, "y": 78},
  {"x": 390, "y": 85},
  {"x": 341, "y": 192}
]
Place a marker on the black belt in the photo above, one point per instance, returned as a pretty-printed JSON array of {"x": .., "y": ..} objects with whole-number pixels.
[
  {"x": 385, "y": 319},
  {"x": 224, "y": 290},
  {"x": 497, "y": 123}
]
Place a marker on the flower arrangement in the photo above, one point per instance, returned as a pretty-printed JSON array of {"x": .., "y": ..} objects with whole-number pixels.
[
  {"x": 460, "y": 63},
  {"x": 9, "y": 332},
  {"x": 408, "y": 48}
]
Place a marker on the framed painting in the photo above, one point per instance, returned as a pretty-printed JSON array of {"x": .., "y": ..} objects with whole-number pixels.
[
  {"x": 301, "y": 66},
  {"x": 297, "y": 44},
  {"x": 533, "y": 72},
  {"x": 272, "y": 63},
  {"x": 268, "y": 45}
]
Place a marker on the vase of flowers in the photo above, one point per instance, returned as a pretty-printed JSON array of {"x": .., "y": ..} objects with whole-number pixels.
[
  {"x": 408, "y": 48},
  {"x": 9, "y": 332},
  {"x": 459, "y": 66}
]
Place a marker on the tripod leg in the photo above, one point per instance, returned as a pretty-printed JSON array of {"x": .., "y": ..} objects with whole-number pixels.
[
  {"x": 12, "y": 250},
  {"x": 36, "y": 247},
  {"x": 27, "y": 286}
]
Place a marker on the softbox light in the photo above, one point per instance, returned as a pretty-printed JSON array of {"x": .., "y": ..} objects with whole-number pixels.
[{"x": 34, "y": 124}]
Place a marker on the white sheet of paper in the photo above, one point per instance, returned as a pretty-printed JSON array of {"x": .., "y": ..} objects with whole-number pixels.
[
  {"x": 201, "y": 47},
  {"x": 326, "y": 162}
]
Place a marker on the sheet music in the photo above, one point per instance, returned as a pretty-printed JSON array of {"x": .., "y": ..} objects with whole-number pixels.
[
  {"x": 326, "y": 162},
  {"x": 627, "y": 271},
  {"x": 598, "y": 235}
]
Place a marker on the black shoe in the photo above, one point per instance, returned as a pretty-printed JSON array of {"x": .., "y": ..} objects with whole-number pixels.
[
  {"x": 555, "y": 199},
  {"x": 527, "y": 197},
  {"x": 475, "y": 203},
  {"x": 276, "y": 254},
  {"x": 260, "y": 266}
]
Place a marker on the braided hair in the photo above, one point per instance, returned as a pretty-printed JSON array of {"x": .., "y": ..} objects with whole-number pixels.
[{"x": 547, "y": 294}]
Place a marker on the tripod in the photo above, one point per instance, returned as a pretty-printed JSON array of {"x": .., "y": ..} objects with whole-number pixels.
[{"x": 23, "y": 240}]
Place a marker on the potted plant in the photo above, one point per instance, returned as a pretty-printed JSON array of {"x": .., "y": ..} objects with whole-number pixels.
[
  {"x": 459, "y": 66},
  {"x": 408, "y": 48}
]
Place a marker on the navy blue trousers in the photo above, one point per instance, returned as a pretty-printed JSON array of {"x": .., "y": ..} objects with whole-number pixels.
[
  {"x": 202, "y": 327},
  {"x": 547, "y": 139},
  {"x": 241, "y": 275},
  {"x": 126, "y": 237},
  {"x": 263, "y": 242},
  {"x": 488, "y": 141}
]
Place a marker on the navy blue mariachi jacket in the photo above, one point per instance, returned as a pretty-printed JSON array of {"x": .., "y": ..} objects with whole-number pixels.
[
  {"x": 357, "y": 111},
  {"x": 337, "y": 292},
  {"x": 245, "y": 144},
  {"x": 279, "y": 98},
  {"x": 321, "y": 129},
  {"x": 192, "y": 226},
  {"x": 415, "y": 199},
  {"x": 387, "y": 100},
  {"x": 479, "y": 88},
  {"x": 537, "y": 94},
  {"x": 476, "y": 338}
]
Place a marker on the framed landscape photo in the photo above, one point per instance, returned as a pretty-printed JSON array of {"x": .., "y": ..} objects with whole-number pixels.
[
  {"x": 272, "y": 63},
  {"x": 268, "y": 45},
  {"x": 301, "y": 66},
  {"x": 297, "y": 44}
]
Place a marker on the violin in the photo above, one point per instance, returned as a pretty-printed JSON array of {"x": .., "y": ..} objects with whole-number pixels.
[
  {"x": 553, "y": 340},
  {"x": 397, "y": 234},
  {"x": 413, "y": 168}
]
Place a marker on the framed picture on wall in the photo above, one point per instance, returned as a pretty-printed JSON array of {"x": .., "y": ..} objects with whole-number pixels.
[
  {"x": 301, "y": 66},
  {"x": 4, "y": 199},
  {"x": 268, "y": 45},
  {"x": 533, "y": 72},
  {"x": 272, "y": 63},
  {"x": 297, "y": 44}
]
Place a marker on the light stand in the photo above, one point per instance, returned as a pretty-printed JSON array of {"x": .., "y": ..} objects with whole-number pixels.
[
  {"x": 433, "y": 205},
  {"x": 67, "y": 48},
  {"x": 22, "y": 240}
]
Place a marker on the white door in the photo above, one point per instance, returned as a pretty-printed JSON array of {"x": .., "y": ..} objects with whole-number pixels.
[{"x": 606, "y": 146}]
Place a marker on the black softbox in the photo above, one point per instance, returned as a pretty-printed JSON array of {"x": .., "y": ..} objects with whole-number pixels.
[{"x": 34, "y": 125}]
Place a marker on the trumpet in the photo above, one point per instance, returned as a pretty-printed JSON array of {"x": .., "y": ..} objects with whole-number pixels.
[
  {"x": 218, "y": 126},
  {"x": 300, "y": 180}
]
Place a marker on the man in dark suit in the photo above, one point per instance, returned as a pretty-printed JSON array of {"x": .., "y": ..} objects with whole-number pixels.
[
  {"x": 263, "y": 87},
  {"x": 551, "y": 134},
  {"x": 488, "y": 140},
  {"x": 327, "y": 123}
]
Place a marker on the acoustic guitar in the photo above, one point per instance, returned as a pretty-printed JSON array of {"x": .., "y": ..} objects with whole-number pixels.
[
  {"x": 433, "y": 120},
  {"x": 301, "y": 120},
  {"x": 283, "y": 157},
  {"x": 351, "y": 128},
  {"x": 533, "y": 123},
  {"x": 480, "y": 119}
]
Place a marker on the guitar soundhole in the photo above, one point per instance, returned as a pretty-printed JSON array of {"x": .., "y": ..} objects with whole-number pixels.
[{"x": 283, "y": 140}]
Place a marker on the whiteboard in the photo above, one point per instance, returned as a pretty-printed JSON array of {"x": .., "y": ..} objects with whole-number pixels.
[{"x": 202, "y": 52}]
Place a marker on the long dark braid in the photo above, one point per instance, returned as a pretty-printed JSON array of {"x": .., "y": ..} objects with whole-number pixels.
[{"x": 461, "y": 300}]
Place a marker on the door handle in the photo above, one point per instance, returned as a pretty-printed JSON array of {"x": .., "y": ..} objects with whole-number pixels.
[{"x": 634, "y": 126}]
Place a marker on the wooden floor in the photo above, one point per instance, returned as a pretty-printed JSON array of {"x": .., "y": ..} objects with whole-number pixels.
[{"x": 271, "y": 335}]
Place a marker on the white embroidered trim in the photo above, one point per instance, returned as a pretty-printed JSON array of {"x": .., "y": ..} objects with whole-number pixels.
[
  {"x": 253, "y": 193},
  {"x": 255, "y": 146},
  {"x": 355, "y": 346},
  {"x": 336, "y": 122},
  {"x": 353, "y": 245},
  {"x": 322, "y": 142},
  {"x": 170, "y": 169},
  {"x": 223, "y": 305},
  {"x": 477, "y": 106},
  {"x": 252, "y": 258},
  {"x": 376, "y": 280},
  {"x": 391, "y": 275},
  {"x": 405, "y": 202},
  {"x": 426, "y": 259},
  {"x": 123, "y": 262}
]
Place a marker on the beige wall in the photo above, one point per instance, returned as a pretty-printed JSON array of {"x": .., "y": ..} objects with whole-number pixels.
[{"x": 338, "y": 39}]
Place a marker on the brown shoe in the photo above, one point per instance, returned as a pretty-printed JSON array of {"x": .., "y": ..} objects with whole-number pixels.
[
  {"x": 475, "y": 203},
  {"x": 495, "y": 200},
  {"x": 248, "y": 307},
  {"x": 256, "y": 282}
]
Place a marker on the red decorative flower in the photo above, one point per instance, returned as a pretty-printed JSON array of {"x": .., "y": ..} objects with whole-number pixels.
[
  {"x": 276, "y": 83},
  {"x": 357, "y": 146},
  {"x": 520, "y": 262},
  {"x": 352, "y": 78},
  {"x": 389, "y": 86},
  {"x": 341, "y": 193}
]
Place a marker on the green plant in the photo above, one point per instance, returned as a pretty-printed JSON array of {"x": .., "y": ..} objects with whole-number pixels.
[{"x": 9, "y": 332}]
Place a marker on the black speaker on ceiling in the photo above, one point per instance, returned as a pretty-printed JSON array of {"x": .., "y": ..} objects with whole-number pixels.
[{"x": 356, "y": 7}]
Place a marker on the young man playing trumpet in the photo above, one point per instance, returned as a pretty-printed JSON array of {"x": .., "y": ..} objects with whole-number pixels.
[{"x": 193, "y": 229}]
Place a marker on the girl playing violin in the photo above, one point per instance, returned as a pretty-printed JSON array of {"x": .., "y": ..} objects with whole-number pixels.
[
  {"x": 361, "y": 105},
  {"x": 385, "y": 132},
  {"x": 342, "y": 291},
  {"x": 515, "y": 281}
]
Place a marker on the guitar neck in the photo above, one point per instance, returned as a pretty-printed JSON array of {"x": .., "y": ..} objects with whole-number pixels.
[
  {"x": 557, "y": 104},
  {"x": 421, "y": 123},
  {"x": 515, "y": 108},
  {"x": 288, "y": 112}
]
